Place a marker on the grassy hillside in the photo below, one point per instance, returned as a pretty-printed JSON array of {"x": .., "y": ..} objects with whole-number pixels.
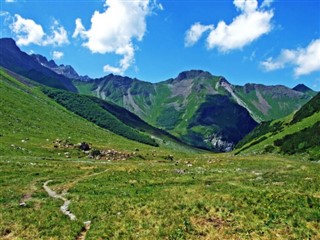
[
  {"x": 85, "y": 107},
  {"x": 271, "y": 102},
  {"x": 30, "y": 122},
  {"x": 297, "y": 133}
]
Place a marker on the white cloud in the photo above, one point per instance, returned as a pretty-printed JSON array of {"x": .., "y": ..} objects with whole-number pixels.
[
  {"x": 305, "y": 60},
  {"x": 29, "y": 32},
  {"x": 114, "y": 30},
  {"x": 266, "y": 3},
  {"x": 56, "y": 55},
  {"x": 10, "y": 1},
  {"x": 79, "y": 30},
  {"x": 252, "y": 23},
  {"x": 195, "y": 32},
  {"x": 59, "y": 35}
]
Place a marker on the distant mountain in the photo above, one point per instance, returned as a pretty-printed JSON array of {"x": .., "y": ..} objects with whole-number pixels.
[
  {"x": 197, "y": 107},
  {"x": 65, "y": 70},
  {"x": 298, "y": 133},
  {"x": 37, "y": 115},
  {"x": 12, "y": 58},
  {"x": 302, "y": 88}
]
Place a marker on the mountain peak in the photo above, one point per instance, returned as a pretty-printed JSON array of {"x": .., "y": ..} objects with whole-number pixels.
[
  {"x": 302, "y": 88},
  {"x": 44, "y": 61},
  {"x": 193, "y": 74},
  {"x": 8, "y": 43}
]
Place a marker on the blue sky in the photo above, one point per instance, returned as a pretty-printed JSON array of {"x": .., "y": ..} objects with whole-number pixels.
[{"x": 268, "y": 41}]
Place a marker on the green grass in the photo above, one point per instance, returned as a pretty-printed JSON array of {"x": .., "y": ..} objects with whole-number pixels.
[{"x": 218, "y": 197}]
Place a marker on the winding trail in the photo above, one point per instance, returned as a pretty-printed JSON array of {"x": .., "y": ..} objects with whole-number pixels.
[{"x": 65, "y": 207}]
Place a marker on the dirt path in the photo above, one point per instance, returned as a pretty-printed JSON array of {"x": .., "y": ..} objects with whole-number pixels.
[{"x": 64, "y": 208}]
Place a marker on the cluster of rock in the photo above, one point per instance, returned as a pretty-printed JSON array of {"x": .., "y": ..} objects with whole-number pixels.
[
  {"x": 109, "y": 154},
  {"x": 58, "y": 143}
]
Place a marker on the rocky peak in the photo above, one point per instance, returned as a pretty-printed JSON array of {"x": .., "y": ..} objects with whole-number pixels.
[
  {"x": 302, "y": 88},
  {"x": 193, "y": 74},
  {"x": 44, "y": 61},
  {"x": 65, "y": 70}
]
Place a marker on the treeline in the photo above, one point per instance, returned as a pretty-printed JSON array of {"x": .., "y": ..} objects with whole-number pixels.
[
  {"x": 85, "y": 107},
  {"x": 300, "y": 142},
  {"x": 308, "y": 109}
]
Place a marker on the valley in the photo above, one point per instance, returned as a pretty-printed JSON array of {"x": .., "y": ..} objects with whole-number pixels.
[{"x": 118, "y": 158}]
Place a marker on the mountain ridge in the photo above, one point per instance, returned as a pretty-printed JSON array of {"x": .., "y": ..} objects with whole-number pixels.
[
  {"x": 65, "y": 70},
  {"x": 176, "y": 103},
  {"x": 12, "y": 58}
]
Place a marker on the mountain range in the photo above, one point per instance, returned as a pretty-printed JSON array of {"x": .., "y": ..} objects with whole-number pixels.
[
  {"x": 201, "y": 109},
  {"x": 196, "y": 107}
]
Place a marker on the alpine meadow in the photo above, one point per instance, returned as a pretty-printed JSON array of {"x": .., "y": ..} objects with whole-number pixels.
[{"x": 220, "y": 140}]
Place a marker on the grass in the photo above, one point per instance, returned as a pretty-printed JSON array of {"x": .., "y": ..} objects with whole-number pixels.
[
  {"x": 218, "y": 197},
  {"x": 150, "y": 196}
]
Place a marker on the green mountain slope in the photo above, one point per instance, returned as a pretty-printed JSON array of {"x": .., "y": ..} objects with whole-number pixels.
[
  {"x": 297, "y": 133},
  {"x": 271, "y": 102},
  {"x": 112, "y": 117},
  {"x": 177, "y": 105},
  {"x": 93, "y": 112},
  {"x": 30, "y": 122}
]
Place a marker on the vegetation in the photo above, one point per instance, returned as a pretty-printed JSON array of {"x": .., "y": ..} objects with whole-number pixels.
[
  {"x": 218, "y": 197},
  {"x": 262, "y": 129},
  {"x": 90, "y": 110},
  {"x": 301, "y": 141},
  {"x": 308, "y": 109},
  {"x": 295, "y": 134}
]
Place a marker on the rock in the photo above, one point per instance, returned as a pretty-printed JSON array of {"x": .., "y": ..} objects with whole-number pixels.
[
  {"x": 95, "y": 153},
  {"x": 22, "y": 204},
  {"x": 169, "y": 157},
  {"x": 180, "y": 171},
  {"x": 84, "y": 146}
]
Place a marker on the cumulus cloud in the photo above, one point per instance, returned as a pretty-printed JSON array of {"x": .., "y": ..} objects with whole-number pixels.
[
  {"x": 252, "y": 23},
  {"x": 28, "y": 32},
  {"x": 56, "y": 55},
  {"x": 58, "y": 37},
  {"x": 195, "y": 32},
  {"x": 115, "y": 29},
  {"x": 305, "y": 60}
]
